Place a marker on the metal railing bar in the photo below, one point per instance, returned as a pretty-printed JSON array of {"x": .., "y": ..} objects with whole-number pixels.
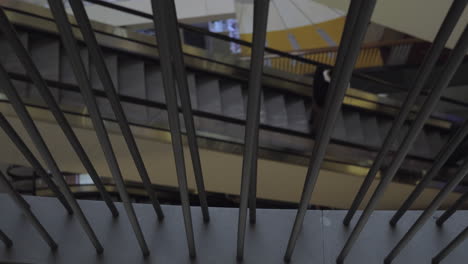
[
  {"x": 420, "y": 80},
  {"x": 161, "y": 20},
  {"x": 253, "y": 111},
  {"x": 440, "y": 160},
  {"x": 23, "y": 148},
  {"x": 450, "y": 68},
  {"x": 356, "y": 24},
  {"x": 248, "y": 188},
  {"x": 27, "y": 62},
  {"x": 450, "y": 247},
  {"x": 109, "y": 87},
  {"x": 72, "y": 50},
  {"x": 427, "y": 213},
  {"x": 186, "y": 105},
  {"x": 41, "y": 146},
  {"x": 5, "y": 239},
  {"x": 449, "y": 212},
  {"x": 252, "y": 196},
  {"x": 26, "y": 210}
]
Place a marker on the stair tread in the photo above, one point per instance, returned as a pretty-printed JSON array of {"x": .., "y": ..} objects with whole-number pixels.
[
  {"x": 12, "y": 63},
  {"x": 353, "y": 126},
  {"x": 131, "y": 78},
  {"x": 209, "y": 100},
  {"x": 262, "y": 105},
  {"x": 435, "y": 142},
  {"x": 421, "y": 144},
  {"x": 67, "y": 76},
  {"x": 385, "y": 124},
  {"x": 275, "y": 106},
  {"x": 209, "y": 95},
  {"x": 339, "y": 131},
  {"x": 297, "y": 113},
  {"x": 232, "y": 100},
  {"x": 112, "y": 67},
  {"x": 46, "y": 55},
  {"x": 371, "y": 130},
  {"x": 155, "y": 93}
]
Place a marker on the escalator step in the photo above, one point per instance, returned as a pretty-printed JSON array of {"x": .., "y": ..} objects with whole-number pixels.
[
  {"x": 297, "y": 114},
  {"x": 45, "y": 53},
  {"x": 12, "y": 64},
  {"x": 276, "y": 113},
  {"x": 131, "y": 76}
]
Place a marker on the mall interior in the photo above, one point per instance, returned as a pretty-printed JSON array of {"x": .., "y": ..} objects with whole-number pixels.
[{"x": 233, "y": 131}]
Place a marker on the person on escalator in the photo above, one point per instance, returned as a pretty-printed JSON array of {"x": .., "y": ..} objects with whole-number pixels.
[{"x": 322, "y": 79}]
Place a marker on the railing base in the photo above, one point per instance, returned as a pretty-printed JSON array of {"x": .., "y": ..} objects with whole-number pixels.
[{"x": 321, "y": 238}]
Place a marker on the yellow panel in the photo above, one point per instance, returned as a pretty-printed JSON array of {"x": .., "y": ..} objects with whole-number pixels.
[
  {"x": 275, "y": 39},
  {"x": 245, "y": 51},
  {"x": 308, "y": 37},
  {"x": 369, "y": 58},
  {"x": 246, "y": 37},
  {"x": 333, "y": 28},
  {"x": 279, "y": 40}
]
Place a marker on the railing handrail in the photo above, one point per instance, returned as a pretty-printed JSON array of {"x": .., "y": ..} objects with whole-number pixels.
[{"x": 371, "y": 45}]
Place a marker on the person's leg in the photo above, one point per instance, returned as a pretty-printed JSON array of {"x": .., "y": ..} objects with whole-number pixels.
[{"x": 315, "y": 118}]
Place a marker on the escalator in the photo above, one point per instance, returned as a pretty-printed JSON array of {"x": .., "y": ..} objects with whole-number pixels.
[{"x": 218, "y": 93}]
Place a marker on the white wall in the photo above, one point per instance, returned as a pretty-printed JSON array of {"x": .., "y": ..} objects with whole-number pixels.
[
  {"x": 190, "y": 11},
  {"x": 284, "y": 14},
  {"x": 419, "y": 18}
]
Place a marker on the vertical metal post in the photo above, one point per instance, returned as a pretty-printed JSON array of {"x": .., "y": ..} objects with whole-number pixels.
[
  {"x": 41, "y": 146},
  {"x": 71, "y": 46},
  {"x": 252, "y": 199},
  {"x": 104, "y": 75},
  {"x": 23, "y": 148},
  {"x": 249, "y": 163},
  {"x": 451, "y": 246},
  {"x": 26, "y": 60},
  {"x": 422, "y": 76},
  {"x": 356, "y": 24},
  {"x": 457, "y": 205},
  {"x": 428, "y": 212},
  {"x": 183, "y": 88},
  {"x": 27, "y": 212},
  {"x": 441, "y": 158},
  {"x": 5, "y": 239},
  {"x": 449, "y": 70},
  {"x": 160, "y": 20}
]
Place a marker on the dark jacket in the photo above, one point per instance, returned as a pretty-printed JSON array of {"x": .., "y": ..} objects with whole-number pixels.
[{"x": 320, "y": 87}]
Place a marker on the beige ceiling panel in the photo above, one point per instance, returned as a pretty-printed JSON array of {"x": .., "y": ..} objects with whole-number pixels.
[{"x": 419, "y": 18}]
